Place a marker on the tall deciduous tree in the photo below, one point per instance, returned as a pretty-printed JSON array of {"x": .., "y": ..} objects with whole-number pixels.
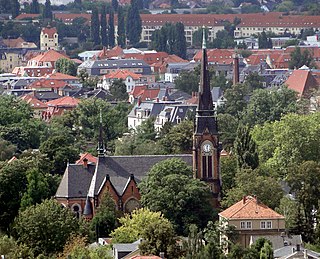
[
  {"x": 121, "y": 28},
  {"x": 173, "y": 178},
  {"x": 104, "y": 30},
  {"x": 95, "y": 26},
  {"x": 118, "y": 90},
  {"x": 47, "y": 10},
  {"x": 134, "y": 24},
  {"x": 299, "y": 58},
  {"x": 45, "y": 227},
  {"x": 111, "y": 35},
  {"x": 66, "y": 66},
  {"x": 34, "y": 7}
]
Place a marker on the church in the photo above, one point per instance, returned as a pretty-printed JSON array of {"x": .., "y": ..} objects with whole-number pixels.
[{"x": 83, "y": 185}]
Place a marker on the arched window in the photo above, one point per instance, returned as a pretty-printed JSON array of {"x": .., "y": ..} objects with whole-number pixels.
[
  {"x": 76, "y": 209},
  {"x": 131, "y": 205}
]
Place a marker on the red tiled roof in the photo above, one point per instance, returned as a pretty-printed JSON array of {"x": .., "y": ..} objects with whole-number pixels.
[
  {"x": 18, "y": 43},
  {"x": 149, "y": 94},
  {"x": 65, "y": 101},
  {"x": 49, "y": 56},
  {"x": 110, "y": 53},
  {"x": 34, "y": 102},
  {"x": 50, "y": 31},
  {"x": 138, "y": 90},
  {"x": 24, "y": 16},
  {"x": 61, "y": 76},
  {"x": 91, "y": 159},
  {"x": 122, "y": 74},
  {"x": 149, "y": 58},
  {"x": 250, "y": 208},
  {"x": 33, "y": 71},
  {"x": 47, "y": 83},
  {"x": 301, "y": 81},
  {"x": 218, "y": 56}
]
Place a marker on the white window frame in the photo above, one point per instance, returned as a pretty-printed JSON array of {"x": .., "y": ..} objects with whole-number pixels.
[
  {"x": 245, "y": 225},
  {"x": 269, "y": 224}
]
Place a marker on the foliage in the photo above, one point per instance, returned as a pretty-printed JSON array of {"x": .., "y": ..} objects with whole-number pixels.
[
  {"x": 95, "y": 26},
  {"x": 103, "y": 28},
  {"x": 179, "y": 139},
  {"x": 105, "y": 220},
  {"x": 118, "y": 90},
  {"x": 254, "y": 81},
  {"x": 300, "y": 58},
  {"x": 45, "y": 227},
  {"x": 223, "y": 40},
  {"x": 146, "y": 130},
  {"x": 254, "y": 182},
  {"x": 111, "y": 37},
  {"x": 9, "y": 248},
  {"x": 121, "y": 28},
  {"x": 263, "y": 41},
  {"x": 288, "y": 207},
  {"x": 133, "y": 23},
  {"x": 47, "y": 10},
  {"x": 7, "y": 149},
  {"x": 228, "y": 125},
  {"x": 228, "y": 172},
  {"x": 66, "y": 66},
  {"x": 87, "y": 81},
  {"x": 245, "y": 149},
  {"x": 188, "y": 81},
  {"x": 34, "y": 7},
  {"x": 170, "y": 188}
]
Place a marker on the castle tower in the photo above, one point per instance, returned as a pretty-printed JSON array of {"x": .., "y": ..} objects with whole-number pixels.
[
  {"x": 49, "y": 38},
  {"x": 206, "y": 149}
]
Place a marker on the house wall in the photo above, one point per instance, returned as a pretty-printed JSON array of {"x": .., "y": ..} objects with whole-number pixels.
[
  {"x": 10, "y": 60},
  {"x": 47, "y": 43}
]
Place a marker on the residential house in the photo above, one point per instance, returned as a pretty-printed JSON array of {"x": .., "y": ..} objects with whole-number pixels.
[
  {"x": 45, "y": 84},
  {"x": 37, "y": 106},
  {"x": 46, "y": 59},
  {"x": 250, "y": 217},
  {"x": 33, "y": 71},
  {"x": 103, "y": 67},
  {"x": 49, "y": 38},
  {"x": 71, "y": 80},
  {"x": 295, "y": 252}
]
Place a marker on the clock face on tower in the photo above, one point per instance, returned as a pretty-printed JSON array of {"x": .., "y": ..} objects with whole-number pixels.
[{"x": 207, "y": 148}]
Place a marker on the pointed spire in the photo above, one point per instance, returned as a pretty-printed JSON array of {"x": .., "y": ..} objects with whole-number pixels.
[{"x": 101, "y": 147}]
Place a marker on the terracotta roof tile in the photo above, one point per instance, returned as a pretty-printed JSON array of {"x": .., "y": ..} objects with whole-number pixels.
[
  {"x": 122, "y": 74},
  {"x": 49, "y": 56},
  {"x": 50, "y": 31},
  {"x": 218, "y": 56},
  {"x": 250, "y": 208},
  {"x": 91, "y": 159},
  {"x": 301, "y": 81},
  {"x": 47, "y": 83},
  {"x": 32, "y": 71},
  {"x": 34, "y": 102},
  {"x": 65, "y": 101},
  {"x": 61, "y": 76}
]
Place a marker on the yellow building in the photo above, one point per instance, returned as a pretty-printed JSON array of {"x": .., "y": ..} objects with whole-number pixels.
[
  {"x": 49, "y": 39},
  {"x": 9, "y": 59},
  {"x": 252, "y": 218}
]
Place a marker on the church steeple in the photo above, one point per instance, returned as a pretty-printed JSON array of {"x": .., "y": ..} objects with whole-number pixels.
[
  {"x": 206, "y": 149},
  {"x": 101, "y": 147}
]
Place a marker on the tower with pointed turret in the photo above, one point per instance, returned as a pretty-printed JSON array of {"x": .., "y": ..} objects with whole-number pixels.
[{"x": 206, "y": 147}]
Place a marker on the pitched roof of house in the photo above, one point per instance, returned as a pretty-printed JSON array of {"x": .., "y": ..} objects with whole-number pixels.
[
  {"x": 105, "y": 53},
  {"x": 50, "y": 31},
  {"x": 18, "y": 43},
  {"x": 148, "y": 57},
  {"x": 218, "y": 56},
  {"x": 47, "y": 83},
  {"x": 34, "y": 102},
  {"x": 91, "y": 159},
  {"x": 49, "y": 56},
  {"x": 32, "y": 71},
  {"x": 61, "y": 76},
  {"x": 122, "y": 74},
  {"x": 301, "y": 81},
  {"x": 250, "y": 208},
  {"x": 24, "y": 16},
  {"x": 65, "y": 101}
]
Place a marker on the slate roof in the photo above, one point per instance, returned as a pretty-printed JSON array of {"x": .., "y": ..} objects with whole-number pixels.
[
  {"x": 120, "y": 168},
  {"x": 47, "y": 95},
  {"x": 250, "y": 208},
  {"x": 287, "y": 252}
]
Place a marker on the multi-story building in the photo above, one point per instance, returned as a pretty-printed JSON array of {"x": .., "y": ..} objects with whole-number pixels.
[{"x": 49, "y": 38}]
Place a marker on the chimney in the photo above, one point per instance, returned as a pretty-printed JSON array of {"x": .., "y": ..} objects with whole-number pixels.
[
  {"x": 235, "y": 69},
  {"x": 85, "y": 163},
  {"x": 157, "y": 99},
  {"x": 244, "y": 199}
]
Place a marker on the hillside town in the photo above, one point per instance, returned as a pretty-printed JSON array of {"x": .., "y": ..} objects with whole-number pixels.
[{"x": 160, "y": 129}]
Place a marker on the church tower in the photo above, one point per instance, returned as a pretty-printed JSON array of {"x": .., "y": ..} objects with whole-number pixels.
[{"x": 206, "y": 148}]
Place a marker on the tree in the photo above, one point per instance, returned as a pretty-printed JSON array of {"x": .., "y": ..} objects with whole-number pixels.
[
  {"x": 264, "y": 42},
  {"x": 188, "y": 81},
  {"x": 121, "y": 28},
  {"x": 111, "y": 28},
  {"x": 155, "y": 230},
  {"x": 179, "y": 138},
  {"x": 104, "y": 31},
  {"x": 34, "y": 7},
  {"x": 95, "y": 26},
  {"x": 9, "y": 248},
  {"x": 115, "y": 5},
  {"x": 173, "y": 178},
  {"x": 134, "y": 24},
  {"x": 146, "y": 130},
  {"x": 228, "y": 172},
  {"x": 7, "y": 149},
  {"x": 228, "y": 125},
  {"x": 181, "y": 43},
  {"x": 254, "y": 81},
  {"x": 298, "y": 58},
  {"x": 105, "y": 220},
  {"x": 45, "y": 227},
  {"x": 266, "y": 251},
  {"x": 15, "y": 8},
  {"x": 66, "y": 66},
  {"x": 223, "y": 40},
  {"x": 197, "y": 37},
  {"x": 118, "y": 90},
  {"x": 245, "y": 149},
  {"x": 47, "y": 10}
]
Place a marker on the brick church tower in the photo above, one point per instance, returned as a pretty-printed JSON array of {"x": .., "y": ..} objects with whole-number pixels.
[{"x": 206, "y": 148}]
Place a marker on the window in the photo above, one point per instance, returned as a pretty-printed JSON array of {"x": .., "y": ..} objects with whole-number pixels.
[
  {"x": 265, "y": 224},
  {"x": 262, "y": 224},
  {"x": 245, "y": 225},
  {"x": 269, "y": 224}
]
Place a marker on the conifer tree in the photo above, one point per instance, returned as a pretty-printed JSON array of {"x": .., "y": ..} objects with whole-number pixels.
[
  {"x": 34, "y": 7},
  {"x": 104, "y": 37},
  {"x": 47, "y": 10},
  {"x": 95, "y": 26},
  {"x": 181, "y": 43},
  {"x": 115, "y": 5},
  {"x": 15, "y": 8},
  {"x": 121, "y": 28},
  {"x": 111, "y": 28},
  {"x": 134, "y": 24}
]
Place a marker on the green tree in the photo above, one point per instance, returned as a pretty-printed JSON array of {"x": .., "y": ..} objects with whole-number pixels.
[
  {"x": 103, "y": 28},
  {"x": 146, "y": 130},
  {"x": 7, "y": 150},
  {"x": 66, "y": 66},
  {"x": 95, "y": 26},
  {"x": 223, "y": 40},
  {"x": 299, "y": 58},
  {"x": 134, "y": 24},
  {"x": 228, "y": 125},
  {"x": 228, "y": 172},
  {"x": 245, "y": 149},
  {"x": 181, "y": 43},
  {"x": 173, "y": 178},
  {"x": 115, "y": 5},
  {"x": 105, "y": 220},
  {"x": 118, "y": 90},
  {"x": 34, "y": 7},
  {"x": 15, "y": 8},
  {"x": 197, "y": 37},
  {"x": 288, "y": 207},
  {"x": 45, "y": 227},
  {"x": 264, "y": 42},
  {"x": 121, "y": 28},
  {"x": 266, "y": 251},
  {"x": 254, "y": 81},
  {"x": 188, "y": 81},
  {"x": 111, "y": 36},
  {"x": 9, "y": 248},
  {"x": 47, "y": 10}
]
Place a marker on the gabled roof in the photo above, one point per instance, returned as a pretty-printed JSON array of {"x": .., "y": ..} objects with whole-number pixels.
[
  {"x": 34, "y": 102},
  {"x": 301, "y": 81},
  {"x": 122, "y": 74},
  {"x": 24, "y": 16},
  {"x": 217, "y": 56},
  {"x": 18, "y": 43},
  {"x": 105, "y": 53},
  {"x": 47, "y": 83},
  {"x": 49, "y": 56},
  {"x": 50, "y": 31},
  {"x": 32, "y": 71},
  {"x": 91, "y": 159},
  {"x": 61, "y": 76},
  {"x": 65, "y": 101},
  {"x": 250, "y": 208}
]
